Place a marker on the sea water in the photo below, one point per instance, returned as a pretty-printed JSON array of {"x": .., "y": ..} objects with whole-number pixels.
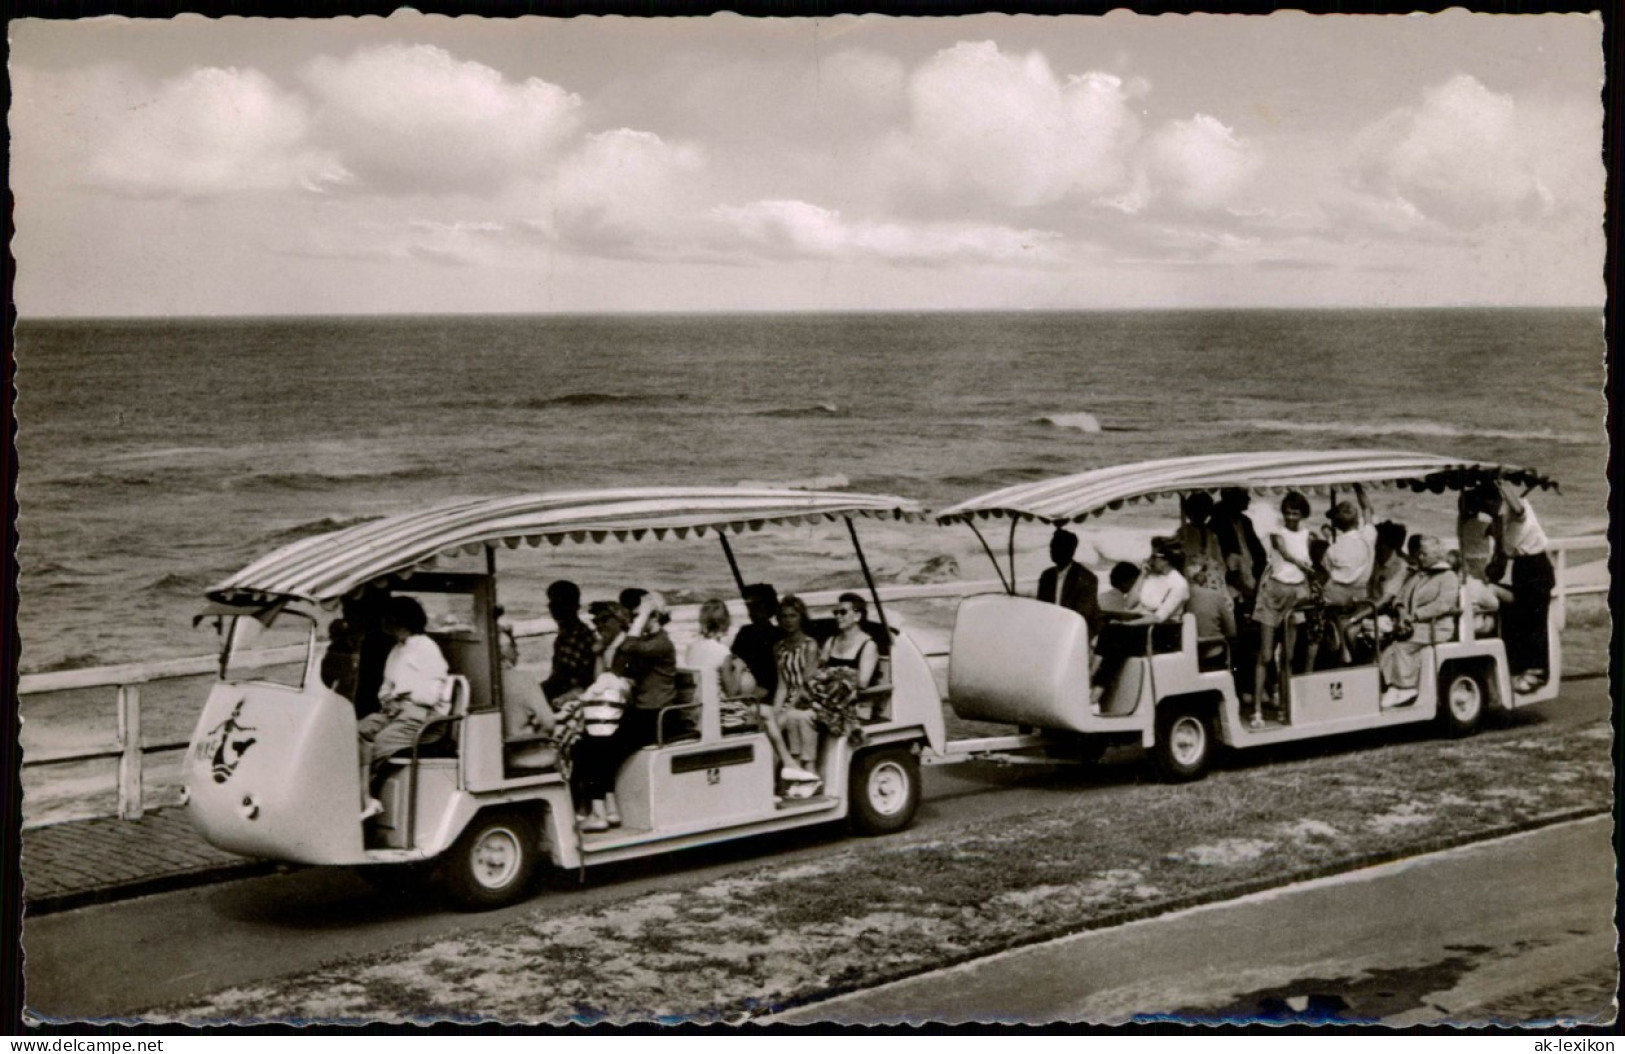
[{"x": 158, "y": 456}]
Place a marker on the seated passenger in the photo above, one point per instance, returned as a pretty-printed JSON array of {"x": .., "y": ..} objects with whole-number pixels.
[
  {"x": 1119, "y": 598},
  {"x": 849, "y": 662},
  {"x": 755, "y": 641},
  {"x": 415, "y": 689},
  {"x": 1285, "y": 584},
  {"x": 526, "y": 716},
  {"x": 708, "y": 652},
  {"x": 1215, "y": 614},
  {"x": 1482, "y": 598},
  {"x": 575, "y": 647},
  {"x": 1391, "y": 569},
  {"x": 1069, "y": 583},
  {"x": 341, "y": 662},
  {"x": 1161, "y": 597},
  {"x": 851, "y": 648},
  {"x": 1427, "y": 613},
  {"x": 789, "y": 718}
]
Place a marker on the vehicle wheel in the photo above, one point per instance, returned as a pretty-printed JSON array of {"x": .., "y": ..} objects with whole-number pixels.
[
  {"x": 885, "y": 790},
  {"x": 493, "y": 862},
  {"x": 1184, "y": 743},
  {"x": 1461, "y": 702}
]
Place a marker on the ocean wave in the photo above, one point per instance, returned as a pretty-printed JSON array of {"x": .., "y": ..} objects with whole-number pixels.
[
  {"x": 92, "y": 480},
  {"x": 188, "y": 583},
  {"x": 327, "y": 480},
  {"x": 583, "y": 399},
  {"x": 325, "y": 525},
  {"x": 1433, "y": 429},
  {"x": 811, "y": 410},
  {"x": 1082, "y": 421},
  {"x": 998, "y": 477},
  {"x": 833, "y": 481}
]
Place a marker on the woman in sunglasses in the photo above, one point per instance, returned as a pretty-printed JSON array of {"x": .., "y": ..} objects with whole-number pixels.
[{"x": 851, "y": 647}]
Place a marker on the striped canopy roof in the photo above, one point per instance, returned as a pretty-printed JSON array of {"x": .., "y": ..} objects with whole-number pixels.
[
  {"x": 330, "y": 566},
  {"x": 1072, "y": 498}
]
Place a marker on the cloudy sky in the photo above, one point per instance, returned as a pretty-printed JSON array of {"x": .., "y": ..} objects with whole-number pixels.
[{"x": 426, "y": 164}]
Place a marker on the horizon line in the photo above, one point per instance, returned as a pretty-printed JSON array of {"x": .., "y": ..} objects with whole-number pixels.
[{"x": 714, "y": 312}]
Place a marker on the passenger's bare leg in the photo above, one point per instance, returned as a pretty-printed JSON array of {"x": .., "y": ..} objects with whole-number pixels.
[
  {"x": 1261, "y": 671},
  {"x": 770, "y": 725}
]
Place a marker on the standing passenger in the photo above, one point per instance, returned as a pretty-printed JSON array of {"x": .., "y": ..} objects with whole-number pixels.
[
  {"x": 1519, "y": 535},
  {"x": 1244, "y": 554},
  {"x": 1197, "y": 535},
  {"x": 1286, "y": 582},
  {"x": 573, "y": 648}
]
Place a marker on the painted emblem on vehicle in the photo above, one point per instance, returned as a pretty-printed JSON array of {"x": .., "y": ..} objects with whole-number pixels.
[
  {"x": 1336, "y": 688},
  {"x": 227, "y": 743},
  {"x": 713, "y": 776}
]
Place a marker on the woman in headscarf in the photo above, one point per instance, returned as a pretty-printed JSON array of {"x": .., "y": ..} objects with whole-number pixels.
[{"x": 1429, "y": 608}]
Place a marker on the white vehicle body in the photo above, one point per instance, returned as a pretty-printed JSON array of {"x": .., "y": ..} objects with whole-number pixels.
[
  {"x": 273, "y": 769},
  {"x": 1018, "y": 661}
]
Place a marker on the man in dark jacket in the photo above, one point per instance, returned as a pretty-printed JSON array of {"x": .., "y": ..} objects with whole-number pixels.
[{"x": 1069, "y": 583}]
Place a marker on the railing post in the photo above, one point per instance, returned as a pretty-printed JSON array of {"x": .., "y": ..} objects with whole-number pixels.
[
  {"x": 1562, "y": 585},
  {"x": 129, "y": 740}
]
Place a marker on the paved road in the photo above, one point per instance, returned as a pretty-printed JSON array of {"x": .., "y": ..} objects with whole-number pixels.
[
  {"x": 1422, "y": 941},
  {"x": 123, "y": 958}
]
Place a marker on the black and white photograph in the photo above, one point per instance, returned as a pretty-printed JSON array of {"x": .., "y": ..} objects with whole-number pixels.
[{"x": 1092, "y": 521}]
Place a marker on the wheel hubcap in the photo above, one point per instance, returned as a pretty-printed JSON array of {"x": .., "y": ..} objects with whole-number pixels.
[
  {"x": 1187, "y": 739},
  {"x": 496, "y": 858},
  {"x": 888, "y": 788},
  {"x": 1465, "y": 699}
]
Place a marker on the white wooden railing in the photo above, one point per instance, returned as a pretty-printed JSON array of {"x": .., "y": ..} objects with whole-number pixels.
[{"x": 130, "y": 748}]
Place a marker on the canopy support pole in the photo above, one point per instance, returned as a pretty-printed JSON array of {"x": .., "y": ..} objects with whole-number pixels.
[
  {"x": 874, "y": 592},
  {"x": 1012, "y": 547},
  {"x": 733, "y": 565},
  {"x": 988, "y": 549}
]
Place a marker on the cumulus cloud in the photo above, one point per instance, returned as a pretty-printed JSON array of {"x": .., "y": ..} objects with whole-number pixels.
[
  {"x": 628, "y": 192},
  {"x": 797, "y": 229},
  {"x": 1463, "y": 157},
  {"x": 1201, "y": 162},
  {"x": 417, "y": 119},
  {"x": 1012, "y": 130},
  {"x": 209, "y": 131}
]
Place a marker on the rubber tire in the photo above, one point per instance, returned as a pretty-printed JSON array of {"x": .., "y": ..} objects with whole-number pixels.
[
  {"x": 1466, "y": 687},
  {"x": 885, "y": 790},
  {"x": 507, "y": 833},
  {"x": 1174, "y": 763}
]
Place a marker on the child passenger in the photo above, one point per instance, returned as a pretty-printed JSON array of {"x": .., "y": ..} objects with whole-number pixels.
[{"x": 1285, "y": 584}]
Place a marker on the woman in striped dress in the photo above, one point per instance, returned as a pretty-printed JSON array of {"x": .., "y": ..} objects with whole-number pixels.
[{"x": 790, "y": 723}]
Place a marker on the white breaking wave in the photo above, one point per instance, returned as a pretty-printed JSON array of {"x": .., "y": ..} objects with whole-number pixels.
[
  {"x": 1082, "y": 421},
  {"x": 1415, "y": 428}
]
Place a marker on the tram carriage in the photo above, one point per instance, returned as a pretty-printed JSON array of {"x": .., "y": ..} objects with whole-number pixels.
[
  {"x": 272, "y": 771},
  {"x": 1017, "y": 661}
]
